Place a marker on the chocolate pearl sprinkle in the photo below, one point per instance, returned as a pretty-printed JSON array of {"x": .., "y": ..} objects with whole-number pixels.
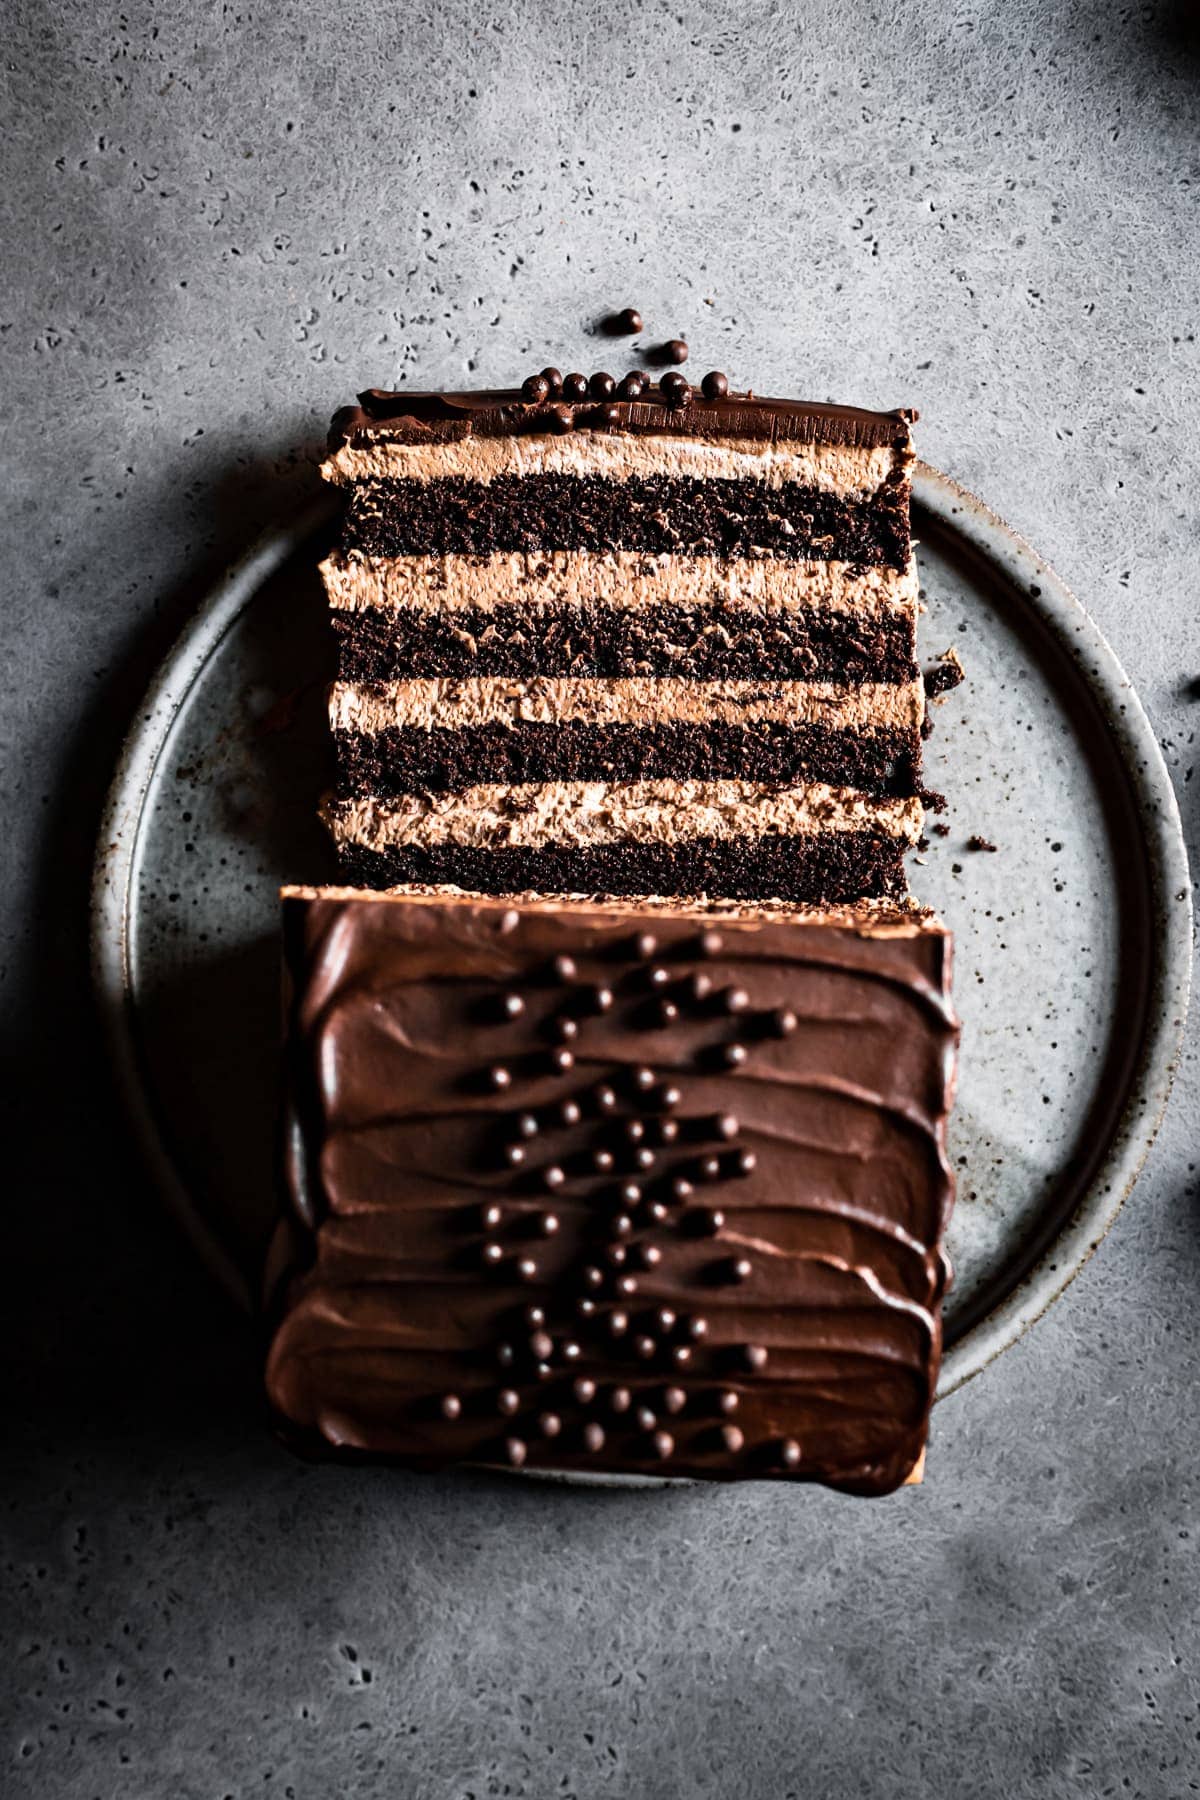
[
  {"x": 607, "y": 415},
  {"x": 626, "y": 1286},
  {"x": 514, "y": 1155},
  {"x": 490, "y": 1216},
  {"x": 724, "y": 1125},
  {"x": 738, "y": 1268},
  {"x": 645, "y": 1418},
  {"x": 558, "y": 419},
  {"x": 696, "y": 1327},
  {"x": 699, "y": 987},
  {"x": 535, "y": 1318},
  {"x": 790, "y": 1454},
  {"x": 553, "y": 1177},
  {"x": 715, "y": 386},
  {"x": 644, "y": 945},
  {"x": 674, "y": 1399},
  {"x": 658, "y": 976},
  {"x": 548, "y": 1224},
  {"x": 569, "y": 1112},
  {"x": 665, "y": 1319},
  {"x": 549, "y": 1424},
  {"x": 709, "y": 1168},
  {"x": 602, "y": 386},
  {"x": 603, "y": 1161},
  {"x": 564, "y": 1027},
  {"x": 499, "y": 1077},
  {"x": 681, "y": 1188},
  {"x": 451, "y": 1406},
  {"x": 626, "y": 323},
  {"x": 493, "y": 1255},
  {"x": 621, "y": 1226},
  {"x": 782, "y": 1022},
  {"x": 593, "y": 1277},
  {"x": 648, "y": 1256},
  {"x": 644, "y": 1159},
  {"x": 601, "y": 999},
  {"x": 733, "y": 1055},
  {"x": 527, "y": 1269},
  {"x": 508, "y": 1401},
  {"x": 633, "y": 385},
  {"x": 506, "y": 1355},
  {"x": 644, "y": 1079},
  {"x": 585, "y": 1307},
  {"x": 664, "y": 1445},
  {"x": 541, "y": 1346},
  {"x": 734, "y": 1000},
  {"x": 605, "y": 1098},
  {"x": 728, "y": 1401},
  {"x": 744, "y": 1163},
  {"x": 553, "y": 379},
  {"x": 630, "y": 1193},
  {"x": 575, "y": 387},
  {"x": 570, "y": 1350},
  {"x": 620, "y": 1400},
  {"x": 618, "y": 1323},
  {"x": 667, "y": 1131},
  {"x": 666, "y": 1014},
  {"x": 512, "y": 1006},
  {"x": 668, "y": 1098},
  {"x": 564, "y": 969},
  {"x": 584, "y": 1389},
  {"x": 733, "y": 1439},
  {"x": 535, "y": 388},
  {"x": 707, "y": 1221},
  {"x": 542, "y": 1371},
  {"x": 711, "y": 943},
  {"x": 562, "y": 1061},
  {"x": 675, "y": 351},
  {"x": 516, "y": 1451},
  {"x": 527, "y": 1125},
  {"x": 593, "y": 1437},
  {"x": 755, "y": 1357},
  {"x": 633, "y": 1131},
  {"x": 645, "y": 1347},
  {"x": 655, "y": 1212},
  {"x": 681, "y": 1355},
  {"x": 615, "y": 1254}
]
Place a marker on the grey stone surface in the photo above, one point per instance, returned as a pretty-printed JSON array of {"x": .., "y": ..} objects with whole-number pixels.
[{"x": 217, "y": 223}]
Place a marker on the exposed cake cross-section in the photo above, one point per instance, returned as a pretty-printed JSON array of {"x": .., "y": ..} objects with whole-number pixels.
[{"x": 625, "y": 648}]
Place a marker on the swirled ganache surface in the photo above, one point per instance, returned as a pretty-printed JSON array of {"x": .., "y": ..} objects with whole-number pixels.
[{"x": 616, "y": 1187}]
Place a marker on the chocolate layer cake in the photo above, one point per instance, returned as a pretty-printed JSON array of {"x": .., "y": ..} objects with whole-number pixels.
[
  {"x": 653, "y": 644},
  {"x": 614, "y": 1188}
]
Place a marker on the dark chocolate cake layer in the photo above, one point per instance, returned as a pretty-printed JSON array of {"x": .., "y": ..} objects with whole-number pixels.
[
  {"x": 609, "y": 1190},
  {"x": 398, "y": 760},
  {"x": 818, "y": 869},
  {"x": 452, "y": 516}
]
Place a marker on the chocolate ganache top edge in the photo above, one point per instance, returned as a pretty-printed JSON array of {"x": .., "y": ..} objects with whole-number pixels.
[{"x": 384, "y": 415}]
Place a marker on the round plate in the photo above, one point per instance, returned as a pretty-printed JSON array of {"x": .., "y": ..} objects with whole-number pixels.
[{"x": 1072, "y": 940}]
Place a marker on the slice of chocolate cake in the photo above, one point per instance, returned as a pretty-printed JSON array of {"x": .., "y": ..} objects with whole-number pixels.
[
  {"x": 657, "y": 644},
  {"x": 614, "y": 1188}
]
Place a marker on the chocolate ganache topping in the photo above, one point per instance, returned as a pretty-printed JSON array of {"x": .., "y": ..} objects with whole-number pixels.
[{"x": 613, "y": 1188}]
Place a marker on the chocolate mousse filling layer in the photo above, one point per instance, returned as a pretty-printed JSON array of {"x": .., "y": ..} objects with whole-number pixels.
[
  {"x": 400, "y": 759},
  {"x": 819, "y": 868},
  {"x": 805, "y": 644},
  {"x": 453, "y": 515}
]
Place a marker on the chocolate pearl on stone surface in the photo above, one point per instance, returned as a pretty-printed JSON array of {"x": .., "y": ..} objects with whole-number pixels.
[
  {"x": 632, "y": 386},
  {"x": 593, "y": 1437},
  {"x": 535, "y": 388},
  {"x": 709, "y": 1168},
  {"x": 675, "y": 350},
  {"x": 542, "y": 1371},
  {"x": 666, "y": 1013},
  {"x": 516, "y": 1451},
  {"x": 451, "y": 1406},
  {"x": 559, "y": 420},
  {"x": 553, "y": 380},
  {"x": 658, "y": 976},
  {"x": 564, "y": 969},
  {"x": 667, "y": 1131},
  {"x": 575, "y": 387},
  {"x": 706, "y": 1221},
  {"x": 626, "y": 323},
  {"x": 602, "y": 386},
  {"x": 715, "y": 386}
]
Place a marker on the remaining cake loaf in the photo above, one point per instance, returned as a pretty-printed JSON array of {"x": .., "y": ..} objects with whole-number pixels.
[
  {"x": 614, "y": 1188},
  {"x": 660, "y": 644}
]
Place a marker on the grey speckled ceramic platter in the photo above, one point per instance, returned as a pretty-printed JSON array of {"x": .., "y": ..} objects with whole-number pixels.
[{"x": 1073, "y": 938}]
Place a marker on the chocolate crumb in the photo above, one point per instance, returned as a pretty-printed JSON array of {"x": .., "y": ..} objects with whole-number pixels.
[
  {"x": 948, "y": 674},
  {"x": 941, "y": 830},
  {"x": 976, "y": 842}
]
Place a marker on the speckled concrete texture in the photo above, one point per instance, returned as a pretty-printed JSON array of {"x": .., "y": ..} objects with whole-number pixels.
[{"x": 218, "y": 222}]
